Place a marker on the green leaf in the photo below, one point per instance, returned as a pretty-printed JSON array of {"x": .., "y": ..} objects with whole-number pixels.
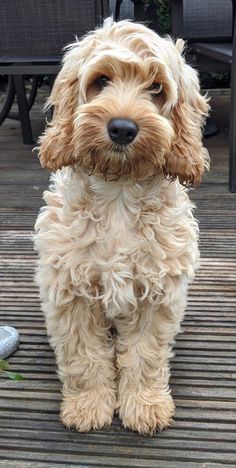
[
  {"x": 3, "y": 365},
  {"x": 14, "y": 376}
]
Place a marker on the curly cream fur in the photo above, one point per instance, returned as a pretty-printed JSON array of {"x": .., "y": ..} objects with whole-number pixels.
[{"x": 117, "y": 242}]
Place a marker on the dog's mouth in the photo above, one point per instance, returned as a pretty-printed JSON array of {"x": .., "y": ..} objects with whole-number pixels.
[
  {"x": 119, "y": 149},
  {"x": 120, "y": 162},
  {"x": 120, "y": 154}
]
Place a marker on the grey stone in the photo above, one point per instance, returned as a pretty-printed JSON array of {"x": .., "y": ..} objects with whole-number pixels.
[{"x": 9, "y": 341}]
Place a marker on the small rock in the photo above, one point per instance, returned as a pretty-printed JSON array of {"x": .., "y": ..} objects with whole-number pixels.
[{"x": 9, "y": 341}]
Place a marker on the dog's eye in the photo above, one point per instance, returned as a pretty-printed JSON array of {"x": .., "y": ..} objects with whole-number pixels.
[
  {"x": 155, "y": 89},
  {"x": 102, "y": 81}
]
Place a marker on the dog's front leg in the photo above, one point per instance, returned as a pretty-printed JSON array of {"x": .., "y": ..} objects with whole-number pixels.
[
  {"x": 85, "y": 357},
  {"x": 143, "y": 350}
]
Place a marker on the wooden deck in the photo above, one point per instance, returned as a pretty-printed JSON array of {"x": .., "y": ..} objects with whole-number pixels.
[{"x": 203, "y": 370}]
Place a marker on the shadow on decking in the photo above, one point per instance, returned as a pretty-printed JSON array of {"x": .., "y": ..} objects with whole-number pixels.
[{"x": 203, "y": 370}]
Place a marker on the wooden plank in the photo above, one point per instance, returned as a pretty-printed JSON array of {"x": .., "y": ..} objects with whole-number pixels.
[
  {"x": 115, "y": 444},
  {"x": 99, "y": 461},
  {"x": 43, "y": 451},
  {"x": 201, "y": 431}
]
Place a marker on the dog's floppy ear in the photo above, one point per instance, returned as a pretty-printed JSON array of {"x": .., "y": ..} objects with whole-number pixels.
[
  {"x": 56, "y": 144},
  {"x": 56, "y": 147},
  {"x": 188, "y": 158}
]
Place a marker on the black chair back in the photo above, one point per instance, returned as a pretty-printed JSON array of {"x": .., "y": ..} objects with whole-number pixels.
[{"x": 41, "y": 28}]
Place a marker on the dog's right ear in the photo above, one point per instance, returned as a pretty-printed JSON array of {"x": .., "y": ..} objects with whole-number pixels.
[{"x": 56, "y": 147}]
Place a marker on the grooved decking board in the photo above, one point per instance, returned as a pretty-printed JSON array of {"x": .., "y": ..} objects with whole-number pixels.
[{"x": 203, "y": 378}]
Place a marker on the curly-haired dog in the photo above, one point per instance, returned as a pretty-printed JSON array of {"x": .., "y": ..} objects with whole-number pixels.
[{"x": 117, "y": 240}]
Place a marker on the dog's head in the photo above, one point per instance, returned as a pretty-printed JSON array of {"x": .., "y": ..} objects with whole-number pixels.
[{"x": 126, "y": 105}]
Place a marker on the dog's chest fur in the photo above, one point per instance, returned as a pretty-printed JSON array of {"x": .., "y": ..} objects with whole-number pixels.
[{"x": 119, "y": 242}]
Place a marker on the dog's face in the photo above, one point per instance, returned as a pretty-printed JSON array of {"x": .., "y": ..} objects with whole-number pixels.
[{"x": 126, "y": 105}]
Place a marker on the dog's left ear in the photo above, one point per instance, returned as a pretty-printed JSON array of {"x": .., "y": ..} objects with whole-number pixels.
[{"x": 188, "y": 158}]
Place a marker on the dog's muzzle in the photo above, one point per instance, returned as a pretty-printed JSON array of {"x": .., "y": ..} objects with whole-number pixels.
[{"x": 122, "y": 131}]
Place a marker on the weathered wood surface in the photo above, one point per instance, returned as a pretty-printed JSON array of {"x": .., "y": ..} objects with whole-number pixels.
[{"x": 204, "y": 367}]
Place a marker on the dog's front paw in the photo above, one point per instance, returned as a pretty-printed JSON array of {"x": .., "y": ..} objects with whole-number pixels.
[
  {"x": 145, "y": 415},
  {"x": 89, "y": 409}
]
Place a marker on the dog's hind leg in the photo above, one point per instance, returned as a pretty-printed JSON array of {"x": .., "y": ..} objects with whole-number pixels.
[{"x": 79, "y": 334}]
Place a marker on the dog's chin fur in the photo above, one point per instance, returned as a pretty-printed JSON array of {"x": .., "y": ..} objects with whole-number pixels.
[
  {"x": 117, "y": 165},
  {"x": 117, "y": 242}
]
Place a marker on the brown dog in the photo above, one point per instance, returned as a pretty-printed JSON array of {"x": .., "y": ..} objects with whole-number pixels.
[{"x": 117, "y": 240}]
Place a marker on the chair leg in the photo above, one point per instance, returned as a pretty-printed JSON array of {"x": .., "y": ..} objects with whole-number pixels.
[
  {"x": 232, "y": 143},
  {"x": 23, "y": 110},
  {"x": 9, "y": 99}
]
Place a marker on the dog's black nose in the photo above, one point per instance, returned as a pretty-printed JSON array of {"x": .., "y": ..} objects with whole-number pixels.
[{"x": 122, "y": 131}]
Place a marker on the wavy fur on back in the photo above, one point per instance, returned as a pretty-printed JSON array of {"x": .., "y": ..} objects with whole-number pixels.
[{"x": 117, "y": 240}]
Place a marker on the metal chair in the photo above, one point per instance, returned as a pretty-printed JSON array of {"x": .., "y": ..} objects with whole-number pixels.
[
  {"x": 32, "y": 36},
  {"x": 208, "y": 26}
]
